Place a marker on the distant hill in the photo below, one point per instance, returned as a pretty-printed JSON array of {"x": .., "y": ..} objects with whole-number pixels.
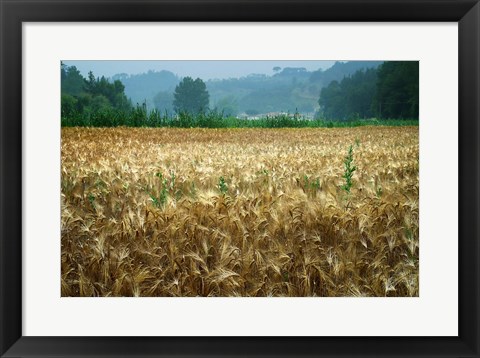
[
  {"x": 288, "y": 90},
  {"x": 340, "y": 70},
  {"x": 145, "y": 86}
]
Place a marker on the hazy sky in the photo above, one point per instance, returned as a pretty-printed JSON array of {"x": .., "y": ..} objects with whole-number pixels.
[{"x": 203, "y": 69}]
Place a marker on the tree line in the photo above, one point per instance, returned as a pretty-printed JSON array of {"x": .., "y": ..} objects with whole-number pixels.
[
  {"x": 387, "y": 92},
  {"x": 97, "y": 101},
  {"x": 390, "y": 91},
  {"x": 86, "y": 97}
]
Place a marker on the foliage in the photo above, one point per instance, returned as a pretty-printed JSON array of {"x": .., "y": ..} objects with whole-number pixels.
[
  {"x": 354, "y": 101},
  {"x": 349, "y": 168},
  {"x": 222, "y": 185},
  {"x": 139, "y": 117},
  {"x": 351, "y": 98},
  {"x": 287, "y": 89},
  {"x": 191, "y": 96},
  {"x": 90, "y": 101},
  {"x": 397, "y": 94},
  {"x": 72, "y": 81},
  {"x": 391, "y": 91}
]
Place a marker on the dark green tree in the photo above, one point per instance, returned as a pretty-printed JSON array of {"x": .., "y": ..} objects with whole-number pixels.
[
  {"x": 331, "y": 101},
  {"x": 191, "y": 96},
  {"x": 351, "y": 98},
  {"x": 72, "y": 82},
  {"x": 68, "y": 105},
  {"x": 397, "y": 90},
  {"x": 83, "y": 98},
  {"x": 360, "y": 90}
]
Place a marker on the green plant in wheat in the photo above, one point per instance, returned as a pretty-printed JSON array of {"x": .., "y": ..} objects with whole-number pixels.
[
  {"x": 222, "y": 186},
  {"x": 349, "y": 169},
  {"x": 161, "y": 200}
]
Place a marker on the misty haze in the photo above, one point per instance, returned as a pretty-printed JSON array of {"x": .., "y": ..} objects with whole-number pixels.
[{"x": 266, "y": 87}]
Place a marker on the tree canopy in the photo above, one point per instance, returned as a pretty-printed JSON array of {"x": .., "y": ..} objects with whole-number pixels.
[
  {"x": 191, "y": 96},
  {"x": 351, "y": 98},
  {"x": 397, "y": 93},
  {"x": 388, "y": 92},
  {"x": 83, "y": 97}
]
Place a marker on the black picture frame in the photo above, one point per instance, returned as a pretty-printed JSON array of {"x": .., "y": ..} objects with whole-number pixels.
[{"x": 14, "y": 12}]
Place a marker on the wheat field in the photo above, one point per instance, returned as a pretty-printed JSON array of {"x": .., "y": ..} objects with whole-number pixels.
[{"x": 239, "y": 212}]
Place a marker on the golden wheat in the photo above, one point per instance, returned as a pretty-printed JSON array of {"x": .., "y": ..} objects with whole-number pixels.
[{"x": 144, "y": 212}]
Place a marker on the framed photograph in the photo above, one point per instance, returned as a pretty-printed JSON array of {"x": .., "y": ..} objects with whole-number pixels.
[{"x": 239, "y": 178}]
